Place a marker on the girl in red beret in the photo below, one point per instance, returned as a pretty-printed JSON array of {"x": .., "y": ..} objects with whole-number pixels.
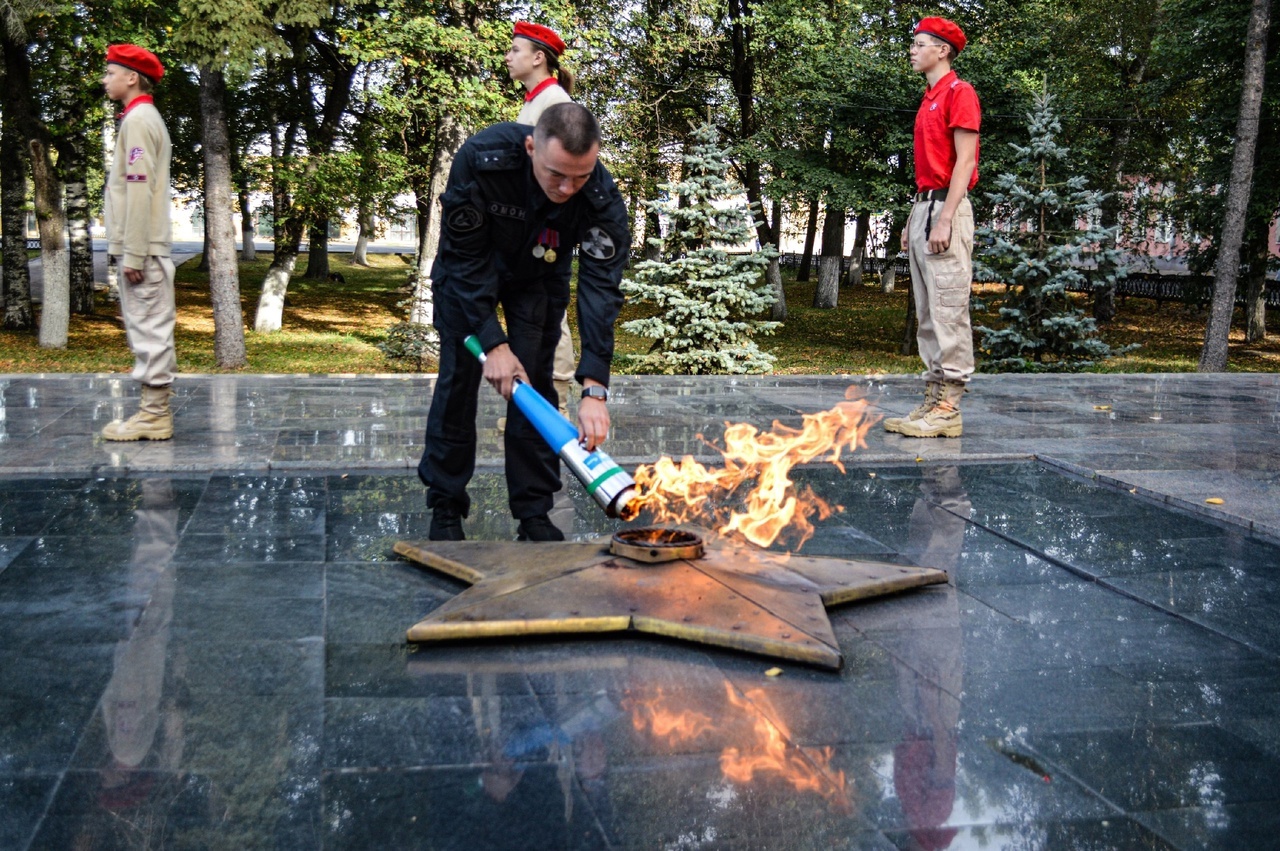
[{"x": 534, "y": 61}]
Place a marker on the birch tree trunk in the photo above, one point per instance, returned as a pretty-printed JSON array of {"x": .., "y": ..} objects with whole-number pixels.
[
  {"x": 652, "y": 230},
  {"x": 773, "y": 272},
  {"x": 1213, "y": 357},
  {"x": 773, "y": 277},
  {"x": 51, "y": 214},
  {"x": 287, "y": 236},
  {"x": 450, "y": 134},
  {"x": 248, "y": 251},
  {"x": 318, "y": 253},
  {"x": 360, "y": 254},
  {"x": 810, "y": 237},
  {"x": 859, "y": 249},
  {"x": 827, "y": 293},
  {"x": 275, "y": 285},
  {"x": 51, "y": 219},
  {"x": 888, "y": 277},
  {"x": 73, "y": 162},
  {"x": 220, "y": 240},
  {"x": 1255, "y": 301},
  {"x": 203, "y": 265}
]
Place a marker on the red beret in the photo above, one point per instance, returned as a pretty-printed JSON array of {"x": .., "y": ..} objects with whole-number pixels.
[
  {"x": 542, "y": 35},
  {"x": 945, "y": 30},
  {"x": 136, "y": 59}
]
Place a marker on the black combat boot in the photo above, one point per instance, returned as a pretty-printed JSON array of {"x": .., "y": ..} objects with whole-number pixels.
[
  {"x": 446, "y": 524},
  {"x": 539, "y": 528}
]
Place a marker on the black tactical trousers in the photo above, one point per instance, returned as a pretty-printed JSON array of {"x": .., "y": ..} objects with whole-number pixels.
[{"x": 448, "y": 462}]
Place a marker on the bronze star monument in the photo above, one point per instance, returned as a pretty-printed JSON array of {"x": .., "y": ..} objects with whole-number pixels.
[{"x": 730, "y": 595}]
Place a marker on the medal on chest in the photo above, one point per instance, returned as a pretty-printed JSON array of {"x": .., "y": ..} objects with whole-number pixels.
[{"x": 548, "y": 242}]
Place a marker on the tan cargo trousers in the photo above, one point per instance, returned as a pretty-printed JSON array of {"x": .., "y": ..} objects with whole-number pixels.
[
  {"x": 149, "y": 317},
  {"x": 941, "y": 285},
  {"x": 565, "y": 363}
]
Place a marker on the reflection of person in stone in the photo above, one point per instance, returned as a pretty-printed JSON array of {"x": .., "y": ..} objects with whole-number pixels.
[
  {"x": 131, "y": 705},
  {"x": 931, "y": 667}
]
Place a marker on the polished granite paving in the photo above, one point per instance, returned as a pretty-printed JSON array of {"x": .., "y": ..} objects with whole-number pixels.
[{"x": 201, "y": 641}]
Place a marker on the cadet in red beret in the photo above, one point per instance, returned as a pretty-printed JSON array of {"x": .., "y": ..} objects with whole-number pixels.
[
  {"x": 534, "y": 61},
  {"x": 136, "y": 59},
  {"x": 138, "y": 216},
  {"x": 939, "y": 234}
]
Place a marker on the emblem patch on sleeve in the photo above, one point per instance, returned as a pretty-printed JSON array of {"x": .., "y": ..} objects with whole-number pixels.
[
  {"x": 135, "y": 154},
  {"x": 598, "y": 244},
  {"x": 135, "y": 178},
  {"x": 465, "y": 219}
]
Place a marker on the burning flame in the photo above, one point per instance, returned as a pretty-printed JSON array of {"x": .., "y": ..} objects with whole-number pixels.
[
  {"x": 768, "y": 753},
  {"x": 689, "y": 492}
]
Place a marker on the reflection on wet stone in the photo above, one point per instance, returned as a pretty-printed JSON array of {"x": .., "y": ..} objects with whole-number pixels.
[{"x": 217, "y": 659}]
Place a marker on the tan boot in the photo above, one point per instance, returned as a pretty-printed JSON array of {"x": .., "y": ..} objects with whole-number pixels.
[
  {"x": 154, "y": 420},
  {"x": 943, "y": 421},
  {"x": 932, "y": 393},
  {"x": 564, "y": 391}
]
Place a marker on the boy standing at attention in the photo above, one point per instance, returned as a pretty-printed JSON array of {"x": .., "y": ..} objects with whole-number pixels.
[
  {"x": 139, "y": 237},
  {"x": 939, "y": 234}
]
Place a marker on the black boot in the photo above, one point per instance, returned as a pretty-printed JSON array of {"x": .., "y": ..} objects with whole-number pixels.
[
  {"x": 446, "y": 524},
  {"x": 539, "y": 528}
]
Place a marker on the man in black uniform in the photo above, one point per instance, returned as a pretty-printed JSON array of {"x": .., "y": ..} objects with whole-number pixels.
[{"x": 515, "y": 206}]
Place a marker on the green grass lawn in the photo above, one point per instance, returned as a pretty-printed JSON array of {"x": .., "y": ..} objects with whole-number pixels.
[{"x": 332, "y": 327}]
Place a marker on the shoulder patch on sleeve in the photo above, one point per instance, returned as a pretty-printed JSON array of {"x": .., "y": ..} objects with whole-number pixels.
[
  {"x": 598, "y": 244},
  {"x": 465, "y": 218},
  {"x": 135, "y": 154}
]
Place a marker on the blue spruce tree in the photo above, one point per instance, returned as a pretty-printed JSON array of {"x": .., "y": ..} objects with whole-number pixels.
[
  {"x": 707, "y": 293},
  {"x": 1054, "y": 245}
]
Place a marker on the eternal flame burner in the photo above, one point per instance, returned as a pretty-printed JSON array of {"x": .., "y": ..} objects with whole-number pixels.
[{"x": 653, "y": 544}]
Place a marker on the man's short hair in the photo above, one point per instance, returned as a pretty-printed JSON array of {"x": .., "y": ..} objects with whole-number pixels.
[{"x": 571, "y": 123}]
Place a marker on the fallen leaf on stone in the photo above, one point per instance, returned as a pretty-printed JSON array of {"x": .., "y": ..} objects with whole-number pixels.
[
  {"x": 773, "y": 672},
  {"x": 1215, "y": 500},
  {"x": 1102, "y": 407}
]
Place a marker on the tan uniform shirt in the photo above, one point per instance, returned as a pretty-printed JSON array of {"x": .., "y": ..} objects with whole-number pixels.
[
  {"x": 533, "y": 109},
  {"x": 138, "y": 209}
]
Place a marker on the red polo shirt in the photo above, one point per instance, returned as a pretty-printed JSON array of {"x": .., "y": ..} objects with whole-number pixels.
[{"x": 950, "y": 104}]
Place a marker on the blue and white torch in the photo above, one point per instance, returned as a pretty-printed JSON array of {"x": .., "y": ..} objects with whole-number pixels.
[{"x": 610, "y": 485}]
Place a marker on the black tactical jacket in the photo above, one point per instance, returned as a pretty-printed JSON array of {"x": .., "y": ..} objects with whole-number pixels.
[{"x": 494, "y": 216}]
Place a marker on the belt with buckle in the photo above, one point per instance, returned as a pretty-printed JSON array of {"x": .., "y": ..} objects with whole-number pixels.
[{"x": 932, "y": 195}]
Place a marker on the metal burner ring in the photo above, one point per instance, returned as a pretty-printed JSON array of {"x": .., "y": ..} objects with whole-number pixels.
[{"x": 653, "y": 544}]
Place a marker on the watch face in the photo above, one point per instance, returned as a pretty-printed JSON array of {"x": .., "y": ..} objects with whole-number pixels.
[{"x": 600, "y": 393}]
